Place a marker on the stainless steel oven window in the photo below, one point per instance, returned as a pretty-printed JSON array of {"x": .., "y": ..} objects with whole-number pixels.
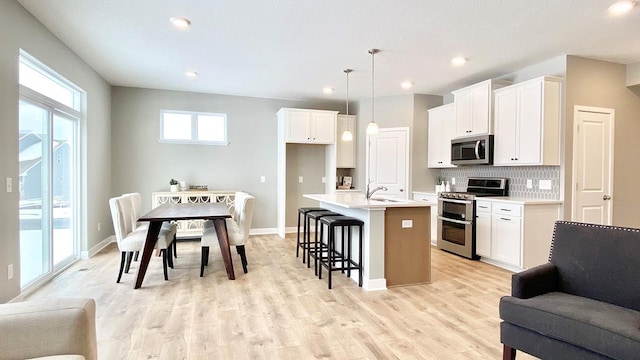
[{"x": 454, "y": 232}]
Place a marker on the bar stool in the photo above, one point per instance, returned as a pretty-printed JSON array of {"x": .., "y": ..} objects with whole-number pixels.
[
  {"x": 318, "y": 246},
  {"x": 344, "y": 223},
  {"x": 303, "y": 212}
]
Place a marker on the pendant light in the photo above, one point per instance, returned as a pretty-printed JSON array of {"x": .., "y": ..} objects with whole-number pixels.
[
  {"x": 372, "y": 128},
  {"x": 347, "y": 135}
]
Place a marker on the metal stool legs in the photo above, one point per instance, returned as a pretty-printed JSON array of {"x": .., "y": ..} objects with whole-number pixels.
[
  {"x": 344, "y": 256},
  {"x": 305, "y": 230}
]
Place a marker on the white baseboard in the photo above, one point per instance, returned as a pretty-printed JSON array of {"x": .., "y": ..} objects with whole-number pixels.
[
  {"x": 375, "y": 284},
  {"x": 499, "y": 264},
  {"x": 263, "y": 231},
  {"x": 97, "y": 248},
  {"x": 295, "y": 229}
]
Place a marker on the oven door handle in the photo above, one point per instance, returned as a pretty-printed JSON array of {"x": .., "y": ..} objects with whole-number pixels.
[
  {"x": 467, "y": 202},
  {"x": 478, "y": 149},
  {"x": 454, "y": 221}
]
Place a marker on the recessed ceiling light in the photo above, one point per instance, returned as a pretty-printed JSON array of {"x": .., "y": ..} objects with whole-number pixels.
[
  {"x": 406, "y": 84},
  {"x": 459, "y": 60},
  {"x": 621, "y": 7},
  {"x": 327, "y": 90},
  {"x": 191, "y": 73},
  {"x": 179, "y": 22}
]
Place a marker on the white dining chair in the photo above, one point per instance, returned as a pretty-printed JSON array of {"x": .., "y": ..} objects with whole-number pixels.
[
  {"x": 237, "y": 230},
  {"x": 136, "y": 207},
  {"x": 130, "y": 240}
]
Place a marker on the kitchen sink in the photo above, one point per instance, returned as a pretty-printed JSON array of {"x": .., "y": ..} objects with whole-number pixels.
[{"x": 387, "y": 200}]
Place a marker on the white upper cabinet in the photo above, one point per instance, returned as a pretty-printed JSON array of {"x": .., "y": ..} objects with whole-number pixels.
[
  {"x": 527, "y": 123},
  {"x": 346, "y": 150},
  {"x": 309, "y": 126},
  {"x": 473, "y": 107},
  {"x": 442, "y": 127}
]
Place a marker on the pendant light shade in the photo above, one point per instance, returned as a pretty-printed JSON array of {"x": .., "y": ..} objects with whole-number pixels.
[
  {"x": 347, "y": 135},
  {"x": 372, "y": 128}
]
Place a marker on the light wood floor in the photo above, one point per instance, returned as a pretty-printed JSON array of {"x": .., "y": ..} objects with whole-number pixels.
[{"x": 280, "y": 310}]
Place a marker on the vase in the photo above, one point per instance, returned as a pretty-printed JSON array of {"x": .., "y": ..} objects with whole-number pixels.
[{"x": 174, "y": 188}]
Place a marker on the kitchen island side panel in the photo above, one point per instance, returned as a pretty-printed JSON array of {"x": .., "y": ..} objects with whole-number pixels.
[{"x": 407, "y": 248}]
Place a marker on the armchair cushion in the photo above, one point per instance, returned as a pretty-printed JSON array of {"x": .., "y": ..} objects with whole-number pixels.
[
  {"x": 594, "y": 325},
  {"x": 41, "y": 328}
]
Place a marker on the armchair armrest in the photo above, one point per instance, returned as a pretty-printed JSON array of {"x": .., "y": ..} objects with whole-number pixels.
[
  {"x": 535, "y": 281},
  {"x": 48, "y": 327}
]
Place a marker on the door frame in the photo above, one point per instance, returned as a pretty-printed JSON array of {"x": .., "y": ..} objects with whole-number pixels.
[
  {"x": 406, "y": 131},
  {"x": 574, "y": 183}
]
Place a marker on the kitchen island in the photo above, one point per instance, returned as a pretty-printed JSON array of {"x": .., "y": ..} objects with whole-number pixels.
[{"x": 396, "y": 246}]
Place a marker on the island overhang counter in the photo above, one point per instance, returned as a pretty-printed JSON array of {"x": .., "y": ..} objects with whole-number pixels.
[{"x": 396, "y": 237}]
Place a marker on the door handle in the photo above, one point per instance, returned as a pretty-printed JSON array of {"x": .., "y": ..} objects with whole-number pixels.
[{"x": 606, "y": 197}]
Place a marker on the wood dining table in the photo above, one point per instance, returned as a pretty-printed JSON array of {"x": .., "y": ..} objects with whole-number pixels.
[{"x": 217, "y": 212}]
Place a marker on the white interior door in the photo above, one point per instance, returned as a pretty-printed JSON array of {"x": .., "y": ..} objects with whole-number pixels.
[
  {"x": 592, "y": 165},
  {"x": 388, "y": 162}
]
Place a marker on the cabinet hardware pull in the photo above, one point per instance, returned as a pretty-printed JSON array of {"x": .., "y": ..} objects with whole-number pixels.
[
  {"x": 505, "y": 209},
  {"x": 505, "y": 219}
]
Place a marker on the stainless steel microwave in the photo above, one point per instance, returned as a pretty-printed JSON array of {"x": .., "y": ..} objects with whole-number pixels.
[{"x": 472, "y": 150}]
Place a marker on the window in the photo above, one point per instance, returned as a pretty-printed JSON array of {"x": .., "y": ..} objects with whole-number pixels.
[
  {"x": 50, "y": 113},
  {"x": 193, "y": 127}
]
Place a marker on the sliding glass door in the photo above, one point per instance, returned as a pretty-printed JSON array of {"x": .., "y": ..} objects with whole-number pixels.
[
  {"x": 50, "y": 114},
  {"x": 48, "y": 188}
]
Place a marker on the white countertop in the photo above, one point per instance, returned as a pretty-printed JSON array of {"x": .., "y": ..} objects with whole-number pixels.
[
  {"x": 517, "y": 200},
  {"x": 359, "y": 201}
]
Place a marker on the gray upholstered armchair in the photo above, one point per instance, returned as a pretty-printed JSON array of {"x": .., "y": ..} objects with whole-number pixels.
[
  {"x": 49, "y": 329},
  {"x": 584, "y": 303}
]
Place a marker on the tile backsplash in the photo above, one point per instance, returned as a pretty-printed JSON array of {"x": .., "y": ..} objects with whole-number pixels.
[{"x": 517, "y": 176}]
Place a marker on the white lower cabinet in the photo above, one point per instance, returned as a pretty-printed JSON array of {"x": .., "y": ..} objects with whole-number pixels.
[
  {"x": 483, "y": 228},
  {"x": 506, "y": 238},
  {"x": 515, "y": 236},
  {"x": 432, "y": 198}
]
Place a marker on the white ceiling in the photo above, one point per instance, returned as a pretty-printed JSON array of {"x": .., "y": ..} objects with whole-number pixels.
[{"x": 291, "y": 49}]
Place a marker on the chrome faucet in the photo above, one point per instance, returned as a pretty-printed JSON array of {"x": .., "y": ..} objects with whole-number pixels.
[{"x": 371, "y": 192}]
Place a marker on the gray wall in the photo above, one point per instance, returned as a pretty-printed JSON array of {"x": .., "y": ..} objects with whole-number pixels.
[
  {"x": 18, "y": 29},
  {"x": 602, "y": 84},
  {"x": 142, "y": 164},
  {"x": 400, "y": 111},
  {"x": 307, "y": 161}
]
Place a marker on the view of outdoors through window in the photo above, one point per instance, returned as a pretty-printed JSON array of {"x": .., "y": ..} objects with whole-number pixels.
[
  {"x": 193, "y": 127},
  {"x": 48, "y": 187}
]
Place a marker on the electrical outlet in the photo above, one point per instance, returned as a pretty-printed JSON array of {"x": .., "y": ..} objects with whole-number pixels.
[
  {"x": 300, "y": 179},
  {"x": 544, "y": 184},
  {"x": 453, "y": 181},
  {"x": 407, "y": 224},
  {"x": 10, "y": 272},
  {"x": 99, "y": 226},
  {"x": 9, "y": 183},
  {"x": 263, "y": 179},
  {"x": 529, "y": 184},
  {"x": 324, "y": 179}
]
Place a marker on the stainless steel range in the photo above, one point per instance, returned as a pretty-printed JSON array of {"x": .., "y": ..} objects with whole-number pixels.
[{"x": 456, "y": 215}]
